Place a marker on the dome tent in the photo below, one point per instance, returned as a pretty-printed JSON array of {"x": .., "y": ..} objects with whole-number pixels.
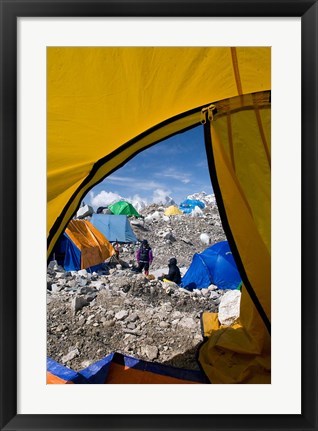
[
  {"x": 172, "y": 210},
  {"x": 232, "y": 101},
  {"x": 123, "y": 208},
  {"x": 114, "y": 227},
  {"x": 82, "y": 246},
  {"x": 188, "y": 205},
  {"x": 215, "y": 265}
]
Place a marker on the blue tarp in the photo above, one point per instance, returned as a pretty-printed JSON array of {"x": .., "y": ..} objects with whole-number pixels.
[
  {"x": 114, "y": 227},
  {"x": 65, "y": 373},
  {"x": 119, "y": 368},
  {"x": 215, "y": 265},
  {"x": 188, "y": 205}
]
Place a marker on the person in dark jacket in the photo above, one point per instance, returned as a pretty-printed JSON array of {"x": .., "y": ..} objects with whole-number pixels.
[
  {"x": 144, "y": 257},
  {"x": 174, "y": 272}
]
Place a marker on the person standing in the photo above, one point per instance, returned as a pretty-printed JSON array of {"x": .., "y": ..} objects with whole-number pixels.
[{"x": 144, "y": 257}]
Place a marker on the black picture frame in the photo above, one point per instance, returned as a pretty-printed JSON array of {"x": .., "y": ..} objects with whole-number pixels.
[{"x": 10, "y": 11}]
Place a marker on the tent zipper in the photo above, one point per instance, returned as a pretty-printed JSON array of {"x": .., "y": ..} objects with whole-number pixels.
[{"x": 207, "y": 111}]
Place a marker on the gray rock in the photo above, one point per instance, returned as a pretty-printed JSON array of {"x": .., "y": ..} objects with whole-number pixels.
[
  {"x": 52, "y": 264},
  {"x": 82, "y": 281},
  {"x": 108, "y": 323},
  {"x": 81, "y": 320},
  {"x": 175, "y": 322},
  {"x": 83, "y": 273},
  {"x": 98, "y": 284},
  {"x": 135, "y": 331},
  {"x": 121, "y": 315},
  {"x": 59, "y": 275},
  {"x": 71, "y": 355},
  {"x": 187, "y": 241},
  {"x": 110, "y": 314},
  {"x": 150, "y": 351},
  {"x": 56, "y": 288},
  {"x": 84, "y": 211},
  {"x": 164, "y": 324},
  {"x": 229, "y": 309},
  {"x": 185, "y": 291},
  {"x": 188, "y": 322},
  {"x": 214, "y": 295},
  {"x": 132, "y": 317},
  {"x": 78, "y": 303},
  {"x": 91, "y": 296},
  {"x": 72, "y": 283}
]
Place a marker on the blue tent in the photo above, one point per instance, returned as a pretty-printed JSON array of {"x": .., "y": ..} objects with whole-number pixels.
[
  {"x": 215, "y": 265},
  {"x": 188, "y": 205},
  {"x": 114, "y": 227}
]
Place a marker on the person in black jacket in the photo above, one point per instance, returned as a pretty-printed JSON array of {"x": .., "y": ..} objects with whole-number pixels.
[{"x": 174, "y": 272}]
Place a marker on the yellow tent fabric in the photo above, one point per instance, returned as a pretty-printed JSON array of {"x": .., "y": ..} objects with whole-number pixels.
[
  {"x": 104, "y": 105},
  {"x": 94, "y": 247},
  {"x": 242, "y": 171},
  {"x": 229, "y": 355},
  {"x": 172, "y": 210}
]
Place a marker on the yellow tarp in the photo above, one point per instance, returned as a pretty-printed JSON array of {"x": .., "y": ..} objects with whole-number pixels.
[
  {"x": 231, "y": 356},
  {"x": 94, "y": 247},
  {"x": 107, "y": 104},
  {"x": 173, "y": 210}
]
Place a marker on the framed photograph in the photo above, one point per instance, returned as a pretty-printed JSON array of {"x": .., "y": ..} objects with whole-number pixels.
[{"x": 43, "y": 49}]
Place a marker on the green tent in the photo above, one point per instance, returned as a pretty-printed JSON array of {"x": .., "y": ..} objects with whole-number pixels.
[{"x": 124, "y": 208}]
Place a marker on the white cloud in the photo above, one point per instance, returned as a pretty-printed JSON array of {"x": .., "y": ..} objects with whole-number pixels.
[
  {"x": 118, "y": 179},
  {"x": 132, "y": 182},
  {"x": 161, "y": 196},
  {"x": 104, "y": 198},
  {"x": 174, "y": 174},
  {"x": 138, "y": 202}
]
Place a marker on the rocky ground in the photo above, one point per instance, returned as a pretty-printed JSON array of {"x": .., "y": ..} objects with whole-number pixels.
[{"x": 92, "y": 315}]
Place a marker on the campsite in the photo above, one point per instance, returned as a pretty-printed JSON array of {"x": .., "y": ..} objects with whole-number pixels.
[{"x": 124, "y": 310}]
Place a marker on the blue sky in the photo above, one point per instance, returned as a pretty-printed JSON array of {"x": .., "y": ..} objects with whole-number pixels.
[{"x": 176, "y": 167}]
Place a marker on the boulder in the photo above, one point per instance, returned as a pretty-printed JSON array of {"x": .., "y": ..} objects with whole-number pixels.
[
  {"x": 121, "y": 315},
  {"x": 85, "y": 211},
  {"x": 78, "y": 303},
  {"x": 188, "y": 322},
  {"x": 229, "y": 308},
  {"x": 150, "y": 351},
  {"x": 205, "y": 239},
  {"x": 71, "y": 355},
  {"x": 55, "y": 288}
]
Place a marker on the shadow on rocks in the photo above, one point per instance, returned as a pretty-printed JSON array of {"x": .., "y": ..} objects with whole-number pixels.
[{"x": 186, "y": 360}]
